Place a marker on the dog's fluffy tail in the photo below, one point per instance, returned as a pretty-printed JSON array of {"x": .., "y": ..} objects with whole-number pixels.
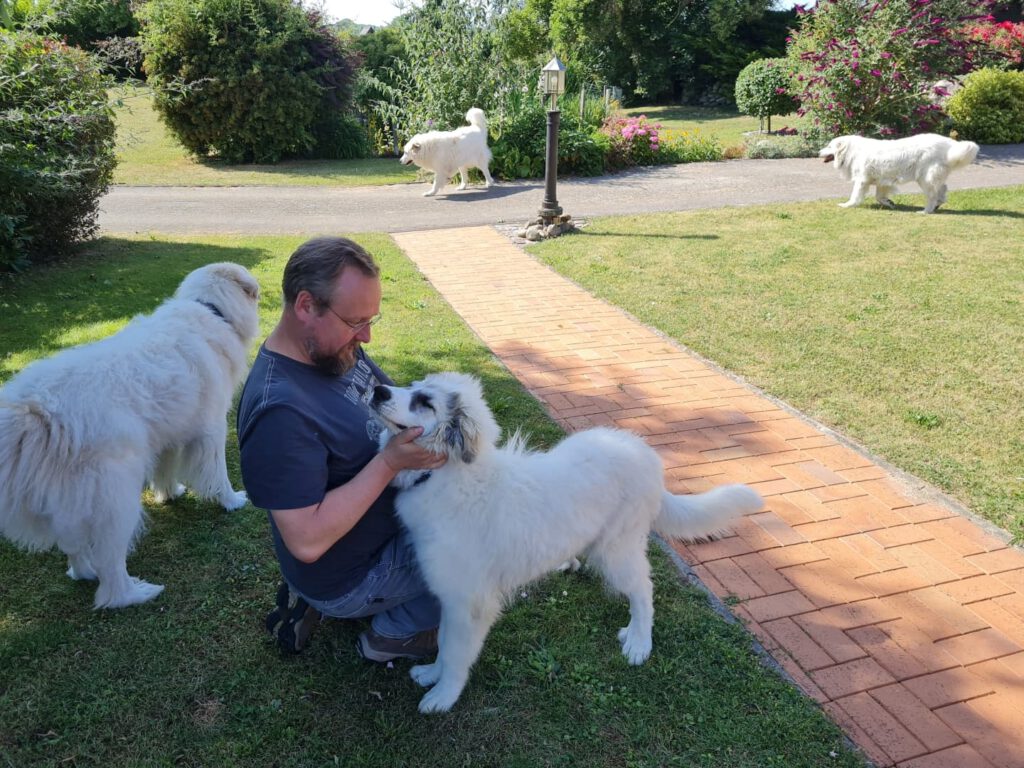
[
  {"x": 33, "y": 450},
  {"x": 476, "y": 117},
  {"x": 962, "y": 153},
  {"x": 704, "y": 514}
]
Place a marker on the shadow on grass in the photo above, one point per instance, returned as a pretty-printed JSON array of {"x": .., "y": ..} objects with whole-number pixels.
[
  {"x": 108, "y": 280},
  {"x": 983, "y": 212},
  {"x": 611, "y": 233}
]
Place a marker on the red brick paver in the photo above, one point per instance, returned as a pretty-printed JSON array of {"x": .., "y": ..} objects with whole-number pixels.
[{"x": 903, "y": 618}]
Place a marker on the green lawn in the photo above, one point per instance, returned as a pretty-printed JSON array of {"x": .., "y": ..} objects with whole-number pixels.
[
  {"x": 149, "y": 156},
  {"x": 902, "y": 331},
  {"x": 192, "y": 679}
]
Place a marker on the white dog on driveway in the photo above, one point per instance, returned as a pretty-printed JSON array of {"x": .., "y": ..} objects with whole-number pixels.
[
  {"x": 492, "y": 519},
  {"x": 445, "y": 152},
  {"x": 81, "y": 432},
  {"x": 926, "y": 158}
]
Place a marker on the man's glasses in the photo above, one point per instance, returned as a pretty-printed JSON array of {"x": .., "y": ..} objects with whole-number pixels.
[{"x": 356, "y": 327}]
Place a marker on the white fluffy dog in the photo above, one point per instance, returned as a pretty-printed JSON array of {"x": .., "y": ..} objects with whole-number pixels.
[
  {"x": 926, "y": 158},
  {"x": 81, "y": 432},
  {"x": 492, "y": 519},
  {"x": 445, "y": 152}
]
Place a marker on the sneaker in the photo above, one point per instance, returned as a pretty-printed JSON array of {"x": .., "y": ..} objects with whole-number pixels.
[
  {"x": 374, "y": 647},
  {"x": 292, "y": 620}
]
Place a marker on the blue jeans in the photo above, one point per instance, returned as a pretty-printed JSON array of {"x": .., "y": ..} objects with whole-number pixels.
[{"x": 393, "y": 592}]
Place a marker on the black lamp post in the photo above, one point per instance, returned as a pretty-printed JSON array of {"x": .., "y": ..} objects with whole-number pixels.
[{"x": 553, "y": 84}]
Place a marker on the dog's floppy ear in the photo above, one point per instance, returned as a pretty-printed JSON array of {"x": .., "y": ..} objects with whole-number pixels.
[
  {"x": 842, "y": 148},
  {"x": 416, "y": 146},
  {"x": 461, "y": 433}
]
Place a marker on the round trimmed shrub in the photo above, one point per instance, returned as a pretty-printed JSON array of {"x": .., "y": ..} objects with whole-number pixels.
[
  {"x": 56, "y": 146},
  {"x": 246, "y": 82},
  {"x": 762, "y": 89},
  {"x": 989, "y": 108}
]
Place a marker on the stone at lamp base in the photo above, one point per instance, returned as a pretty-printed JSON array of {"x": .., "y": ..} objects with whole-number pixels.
[{"x": 546, "y": 227}]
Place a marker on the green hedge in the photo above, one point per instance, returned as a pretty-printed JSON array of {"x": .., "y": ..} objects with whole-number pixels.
[
  {"x": 56, "y": 146},
  {"x": 247, "y": 81},
  {"x": 989, "y": 108}
]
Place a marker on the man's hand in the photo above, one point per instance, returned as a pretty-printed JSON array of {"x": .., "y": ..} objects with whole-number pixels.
[{"x": 402, "y": 453}]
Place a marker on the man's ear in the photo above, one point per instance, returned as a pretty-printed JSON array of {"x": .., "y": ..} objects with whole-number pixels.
[{"x": 306, "y": 306}]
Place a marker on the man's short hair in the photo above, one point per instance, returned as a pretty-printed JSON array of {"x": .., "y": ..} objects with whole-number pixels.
[{"x": 317, "y": 263}]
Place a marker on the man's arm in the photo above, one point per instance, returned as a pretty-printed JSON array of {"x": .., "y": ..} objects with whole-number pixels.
[{"x": 308, "y": 532}]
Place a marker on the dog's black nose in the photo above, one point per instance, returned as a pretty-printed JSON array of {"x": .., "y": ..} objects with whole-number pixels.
[{"x": 381, "y": 394}]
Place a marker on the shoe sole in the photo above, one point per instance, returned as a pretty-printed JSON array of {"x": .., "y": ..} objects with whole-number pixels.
[{"x": 381, "y": 657}]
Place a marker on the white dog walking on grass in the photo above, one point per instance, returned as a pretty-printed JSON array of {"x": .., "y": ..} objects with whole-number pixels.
[
  {"x": 445, "y": 152},
  {"x": 926, "y": 158}
]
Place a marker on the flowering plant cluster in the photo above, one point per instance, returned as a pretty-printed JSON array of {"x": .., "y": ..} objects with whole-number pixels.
[
  {"x": 1003, "y": 42},
  {"x": 875, "y": 67},
  {"x": 633, "y": 141}
]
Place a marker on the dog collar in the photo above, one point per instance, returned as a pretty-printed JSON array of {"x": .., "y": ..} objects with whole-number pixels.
[{"x": 213, "y": 308}]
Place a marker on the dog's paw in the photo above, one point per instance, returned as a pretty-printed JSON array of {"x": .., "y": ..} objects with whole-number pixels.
[
  {"x": 461, "y": 186},
  {"x": 440, "y": 698},
  {"x": 887, "y": 203},
  {"x": 570, "y": 565},
  {"x": 847, "y": 204},
  {"x": 635, "y": 649},
  {"x": 81, "y": 573},
  {"x": 426, "y": 675},
  {"x": 138, "y": 591},
  {"x": 429, "y": 193},
  {"x": 235, "y": 500},
  {"x": 162, "y": 495}
]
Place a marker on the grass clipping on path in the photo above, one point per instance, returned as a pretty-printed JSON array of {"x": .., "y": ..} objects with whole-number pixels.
[
  {"x": 192, "y": 678},
  {"x": 900, "y": 330}
]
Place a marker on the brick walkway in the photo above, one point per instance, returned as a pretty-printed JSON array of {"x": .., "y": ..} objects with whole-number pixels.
[{"x": 903, "y": 619}]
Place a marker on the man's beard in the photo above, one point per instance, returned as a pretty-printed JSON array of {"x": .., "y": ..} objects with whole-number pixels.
[{"x": 338, "y": 364}]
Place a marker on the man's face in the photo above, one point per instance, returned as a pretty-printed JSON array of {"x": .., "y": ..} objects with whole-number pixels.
[{"x": 335, "y": 336}]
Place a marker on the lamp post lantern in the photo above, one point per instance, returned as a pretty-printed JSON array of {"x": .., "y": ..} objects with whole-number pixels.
[{"x": 553, "y": 83}]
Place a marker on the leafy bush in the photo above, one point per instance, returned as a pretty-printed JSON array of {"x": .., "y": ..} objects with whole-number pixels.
[
  {"x": 449, "y": 64},
  {"x": 989, "y": 108},
  {"x": 339, "y": 137},
  {"x": 872, "y": 68},
  {"x": 86, "y": 22},
  {"x": 246, "y": 82},
  {"x": 56, "y": 146},
  {"x": 688, "y": 147},
  {"x": 762, "y": 90},
  {"x": 580, "y": 154},
  {"x": 778, "y": 147}
]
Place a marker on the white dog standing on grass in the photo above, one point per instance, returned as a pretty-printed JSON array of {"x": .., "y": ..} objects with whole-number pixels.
[
  {"x": 926, "y": 158},
  {"x": 81, "y": 432},
  {"x": 445, "y": 152},
  {"x": 495, "y": 518}
]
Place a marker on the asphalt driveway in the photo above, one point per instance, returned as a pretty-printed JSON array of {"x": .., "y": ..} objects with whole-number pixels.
[{"x": 402, "y": 207}]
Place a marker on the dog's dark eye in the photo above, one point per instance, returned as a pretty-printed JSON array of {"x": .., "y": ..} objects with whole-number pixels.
[{"x": 421, "y": 400}]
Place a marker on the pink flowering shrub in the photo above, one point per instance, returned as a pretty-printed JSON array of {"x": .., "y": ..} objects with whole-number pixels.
[
  {"x": 633, "y": 141},
  {"x": 872, "y": 67}
]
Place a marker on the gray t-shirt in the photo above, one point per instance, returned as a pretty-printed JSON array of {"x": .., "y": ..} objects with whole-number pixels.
[{"x": 300, "y": 434}]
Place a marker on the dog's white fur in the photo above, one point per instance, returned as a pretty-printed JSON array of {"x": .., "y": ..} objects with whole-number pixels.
[
  {"x": 926, "y": 158},
  {"x": 81, "y": 432},
  {"x": 445, "y": 152},
  {"x": 492, "y": 519}
]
